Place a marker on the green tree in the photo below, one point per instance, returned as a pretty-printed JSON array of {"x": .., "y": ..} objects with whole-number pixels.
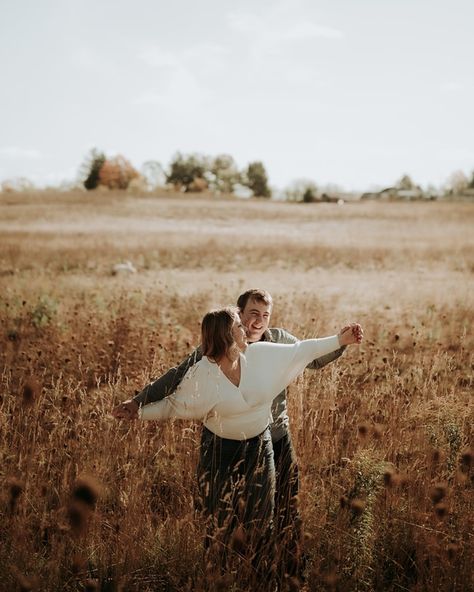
[
  {"x": 186, "y": 169},
  {"x": 309, "y": 195},
  {"x": 257, "y": 179},
  {"x": 224, "y": 174},
  {"x": 90, "y": 169},
  {"x": 406, "y": 183},
  {"x": 303, "y": 190}
]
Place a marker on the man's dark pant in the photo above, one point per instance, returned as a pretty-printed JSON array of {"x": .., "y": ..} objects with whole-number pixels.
[{"x": 287, "y": 523}]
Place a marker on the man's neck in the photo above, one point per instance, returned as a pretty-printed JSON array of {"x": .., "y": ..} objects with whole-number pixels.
[{"x": 262, "y": 338}]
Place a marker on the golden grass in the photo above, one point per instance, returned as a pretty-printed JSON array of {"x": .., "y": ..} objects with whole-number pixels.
[{"x": 384, "y": 436}]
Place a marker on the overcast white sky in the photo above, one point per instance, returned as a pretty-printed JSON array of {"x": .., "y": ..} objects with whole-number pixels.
[{"x": 353, "y": 92}]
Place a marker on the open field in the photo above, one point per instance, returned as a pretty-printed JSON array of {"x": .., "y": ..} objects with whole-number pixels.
[{"x": 390, "y": 425}]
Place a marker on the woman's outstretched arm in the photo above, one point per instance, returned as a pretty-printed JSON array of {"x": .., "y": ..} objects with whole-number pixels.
[
  {"x": 271, "y": 367},
  {"x": 193, "y": 399}
]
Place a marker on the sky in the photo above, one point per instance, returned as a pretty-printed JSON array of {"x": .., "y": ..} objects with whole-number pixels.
[{"x": 348, "y": 92}]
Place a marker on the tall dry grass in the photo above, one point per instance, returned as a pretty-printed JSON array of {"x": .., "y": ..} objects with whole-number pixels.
[{"x": 384, "y": 436}]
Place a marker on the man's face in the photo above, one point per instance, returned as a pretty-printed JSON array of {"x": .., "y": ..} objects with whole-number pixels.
[{"x": 255, "y": 317}]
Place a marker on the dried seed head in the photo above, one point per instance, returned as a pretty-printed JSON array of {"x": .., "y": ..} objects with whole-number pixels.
[
  {"x": 363, "y": 430},
  {"x": 441, "y": 510},
  {"x": 344, "y": 501},
  {"x": 466, "y": 460},
  {"x": 436, "y": 456},
  {"x": 438, "y": 492},
  {"x": 30, "y": 392},
  {"x": 357, "y": 506},
  {"x": 387, "y": 477},
  {"x": 77, "y": 514},
  {"x": 452, "y": 550},
  {"x": 86, "y": 490},
  {"x": 391, "y": 478},
  {"x": 238, "y": 540},
  {"x": 15, "y": 489}
]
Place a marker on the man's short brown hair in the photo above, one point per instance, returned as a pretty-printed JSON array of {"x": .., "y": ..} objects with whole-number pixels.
[
  {"x": 216, "y": 332},
  {"x": 257, "y": 295}
]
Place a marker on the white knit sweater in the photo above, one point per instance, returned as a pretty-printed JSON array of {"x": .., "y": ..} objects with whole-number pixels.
[{"x": 244, "y": 411}]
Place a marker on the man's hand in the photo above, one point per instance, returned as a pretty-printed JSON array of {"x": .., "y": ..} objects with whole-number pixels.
[
  {"x": 126, "y": 410},
  {"x": 351, "y": 334}
]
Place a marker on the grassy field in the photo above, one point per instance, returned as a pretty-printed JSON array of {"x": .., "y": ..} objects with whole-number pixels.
[{"x": 384, "y": 436}]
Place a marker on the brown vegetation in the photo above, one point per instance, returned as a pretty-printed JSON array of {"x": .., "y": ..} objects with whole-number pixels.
[
  {"x": 117, "y": 173},
  {"x": 384, "y": 436}
]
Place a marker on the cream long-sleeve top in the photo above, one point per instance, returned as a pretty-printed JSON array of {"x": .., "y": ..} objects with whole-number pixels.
[{"x": 244, "y": 411}]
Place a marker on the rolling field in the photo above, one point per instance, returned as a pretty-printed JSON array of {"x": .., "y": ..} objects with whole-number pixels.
[{"x": 384, "y": 436}]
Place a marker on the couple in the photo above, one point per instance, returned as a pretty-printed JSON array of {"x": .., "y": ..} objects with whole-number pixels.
[{"x": 238, "y": 390}]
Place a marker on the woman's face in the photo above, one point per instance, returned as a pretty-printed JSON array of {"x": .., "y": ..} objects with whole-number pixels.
[{"x": 239, "y": 334}]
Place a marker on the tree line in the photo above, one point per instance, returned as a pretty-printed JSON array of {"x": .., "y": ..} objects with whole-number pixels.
[
  {"x": 220, "y": 174},
  {"x": 187, "y": 173}
]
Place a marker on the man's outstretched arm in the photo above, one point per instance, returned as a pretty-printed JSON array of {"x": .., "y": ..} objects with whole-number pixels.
[
  {"x": 282, "y": 336},
  {"x": 157, "y": 390},
  {"x": 327, "y": 359}
]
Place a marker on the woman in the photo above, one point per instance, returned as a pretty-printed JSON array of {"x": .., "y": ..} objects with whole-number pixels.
[{"x": 231, "y": 390}]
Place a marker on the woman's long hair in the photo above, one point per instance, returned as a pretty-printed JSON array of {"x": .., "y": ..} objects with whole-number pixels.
[{"x": 216, "y": 330}]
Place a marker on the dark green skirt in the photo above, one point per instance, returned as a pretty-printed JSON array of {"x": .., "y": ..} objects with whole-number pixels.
[{"x": 236, "y": 482}]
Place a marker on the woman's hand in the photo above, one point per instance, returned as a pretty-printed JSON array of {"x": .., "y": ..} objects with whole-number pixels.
[
  {"x": 351, "y": 334},
  {"x": 126, "y": 410}
]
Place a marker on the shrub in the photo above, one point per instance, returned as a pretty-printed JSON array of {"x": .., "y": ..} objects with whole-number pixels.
[
  {"x": 302, "y": 190},
  {"x": 185, "y": 169},
  {"x": 257, "y": 179},
  {"x": 117, "y": 173},
  {"x": 44, "y": 311},
  {"x": 90, "y": 169},
  {"x": 224, "y": 174},
  {"x": 405, "y": 182}
]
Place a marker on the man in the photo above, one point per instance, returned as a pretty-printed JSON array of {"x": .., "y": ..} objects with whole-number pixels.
[{"x": 255, "y": 312}]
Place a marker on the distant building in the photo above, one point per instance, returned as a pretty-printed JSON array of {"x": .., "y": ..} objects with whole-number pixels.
[
  {"x": 465, "y": 195},
  {"x": 397, "y": 194},
  {"x": 370, "y": 195}
]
